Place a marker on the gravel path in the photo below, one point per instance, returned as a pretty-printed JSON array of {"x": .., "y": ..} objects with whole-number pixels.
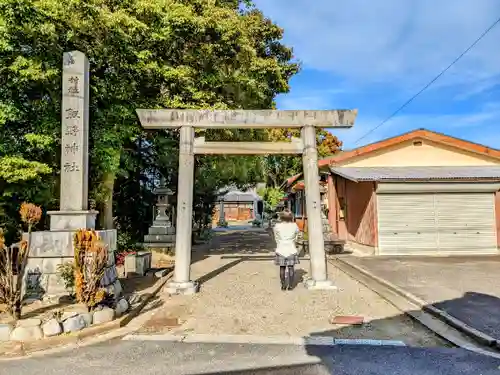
[{"x": 244, "y": 297}]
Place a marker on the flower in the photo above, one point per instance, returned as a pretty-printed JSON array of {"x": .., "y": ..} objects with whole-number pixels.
[{"x": 30, "y": 213}]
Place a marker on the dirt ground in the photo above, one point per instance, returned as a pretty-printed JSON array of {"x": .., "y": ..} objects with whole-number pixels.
[{"x": 242, "y": 295}]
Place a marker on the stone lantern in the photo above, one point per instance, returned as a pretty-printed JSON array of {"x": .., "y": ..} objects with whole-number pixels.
[{"x": 161, "y": 234}]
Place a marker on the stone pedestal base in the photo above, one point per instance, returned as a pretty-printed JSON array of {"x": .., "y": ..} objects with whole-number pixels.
[
  {"x": 185, "y": 288},
  {"x": 49, "y": 249},
  {"x": 72, "y": 220},
  {"x": 160, "y": 235},
  {"x": 320, "y": 285}
]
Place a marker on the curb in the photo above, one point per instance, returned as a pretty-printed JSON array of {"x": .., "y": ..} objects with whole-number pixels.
[
  {"x": 473, "y": 333},
  {"x": 262, "y": 340},
  {"x": 89, "y": 336}
]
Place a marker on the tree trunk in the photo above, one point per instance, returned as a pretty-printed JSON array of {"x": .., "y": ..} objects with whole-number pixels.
[{"x": 107, "y": 204}]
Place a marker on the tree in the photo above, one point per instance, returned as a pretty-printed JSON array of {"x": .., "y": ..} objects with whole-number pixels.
[
  {"x": 280, "y": 167},
  {"x": 271, "y": 196},
  {"x": 156, "y": 54}
]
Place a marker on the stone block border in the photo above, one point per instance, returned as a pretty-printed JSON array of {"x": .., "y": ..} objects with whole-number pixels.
[
  {"x": 70, "y": 335},
  {"x": 69, "y": 322}
]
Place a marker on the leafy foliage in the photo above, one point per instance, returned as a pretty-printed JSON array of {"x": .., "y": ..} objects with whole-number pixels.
[
  {"x": 271, "y": 196},
  {"x": 219, "y": 54},
  {"x": 66, "y": 271},
  {"x": 280, "y": 167}
]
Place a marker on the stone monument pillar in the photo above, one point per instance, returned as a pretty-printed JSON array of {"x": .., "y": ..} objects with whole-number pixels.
[
  {"x": 74, "y": 213},
  {"x": 51, "y": 248}
]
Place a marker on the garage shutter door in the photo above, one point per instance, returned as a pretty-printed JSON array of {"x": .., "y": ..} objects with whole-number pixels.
[
  {"x": 437, "y": 222},
  {"x": 406, "y": 223},
  {"x": 466, "y": 222}
]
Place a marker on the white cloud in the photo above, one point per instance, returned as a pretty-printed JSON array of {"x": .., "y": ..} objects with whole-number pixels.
[
  {"x": 394, "y": 42},
  {"x": 383, "y": 51}
]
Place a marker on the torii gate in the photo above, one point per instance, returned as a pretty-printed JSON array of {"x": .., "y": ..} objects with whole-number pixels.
[{"x": 188, "y": 120}]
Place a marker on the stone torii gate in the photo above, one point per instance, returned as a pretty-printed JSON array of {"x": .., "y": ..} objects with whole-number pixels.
[{"x": 187, "y": 120}]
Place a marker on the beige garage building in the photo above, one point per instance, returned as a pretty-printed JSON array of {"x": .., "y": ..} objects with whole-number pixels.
[{"x": 419, "y": 193}]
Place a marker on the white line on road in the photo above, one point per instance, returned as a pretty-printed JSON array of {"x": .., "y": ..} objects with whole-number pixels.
[{"x": 262, "y": 340}]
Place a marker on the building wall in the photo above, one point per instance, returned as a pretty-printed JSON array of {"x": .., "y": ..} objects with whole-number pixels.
[
  {"x": 361, "y": 216},
  {"x": 426, "y": 154},
  {"x": 234, "y": 211}
]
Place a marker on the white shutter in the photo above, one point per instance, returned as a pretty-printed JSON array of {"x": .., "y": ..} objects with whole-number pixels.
[
  {"x": 436, "y": 223},
  {"x": 406, "y": 223},
  {"x": 466, "y": 222}
]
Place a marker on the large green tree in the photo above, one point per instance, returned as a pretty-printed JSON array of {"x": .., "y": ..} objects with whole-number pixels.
[{"x": 156, "y": 54}]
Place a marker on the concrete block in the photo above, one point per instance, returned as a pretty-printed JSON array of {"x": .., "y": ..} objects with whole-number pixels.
[
  {"x": 115, "y": 289},
  {"x": 109, "y": 277},
  {"x": 55, "y": 285},
  {"x": 147, "y": 257},
  {"x": 51, "y": 328},
  {"x": 71, "y": 220},
  {"x": 108, "y": 237},
  {"x": 87, "y": 317},
  {"x": 161, "y": 230},
  {"x": 34, "y": 264},
  {"x": 138, "y": 263},
  {"x": 5, "y": 331},
  {"x": 103, "y": 316},
  {"x": 74, "y": 324},
  {"x": 50, "y": 244},
  {"x": 49, "y": 265},
  {"x": 48, "y": 249},
  {"x": 34, "y": 322},
  {"x": 26, "y": 333},
  {"x": 121, "y": 307},
  {"x": 159, "y": 238},
  {"x": 68, "y": 314}
]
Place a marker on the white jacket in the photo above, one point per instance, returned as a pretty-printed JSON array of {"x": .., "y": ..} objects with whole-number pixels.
[{"x": 285, "y": 235}]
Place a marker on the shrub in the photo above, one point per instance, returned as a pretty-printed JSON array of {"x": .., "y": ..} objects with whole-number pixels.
[
  {"x": 13, "y": 260},
  {"x": 256, "y": 223},
  {"x": 120, "y": 257},
  {"x": 91, "y": 258},
  {"x": 223, "y": 223},
  {"x": 66, "y": 272}
]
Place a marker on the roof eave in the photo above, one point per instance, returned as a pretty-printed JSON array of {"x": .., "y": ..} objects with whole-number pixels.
[{"x": 343, "y": 175}]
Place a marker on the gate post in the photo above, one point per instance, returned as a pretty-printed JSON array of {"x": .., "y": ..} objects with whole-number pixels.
[
  {"x": 319, "y": 279},
  {"x": 181, "y": 283}
]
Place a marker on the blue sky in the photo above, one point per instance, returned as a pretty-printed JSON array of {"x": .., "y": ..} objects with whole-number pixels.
[{"x": 374, "y": 55}]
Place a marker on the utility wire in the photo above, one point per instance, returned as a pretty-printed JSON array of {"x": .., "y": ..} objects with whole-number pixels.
[{"x": 432, "y": 81}]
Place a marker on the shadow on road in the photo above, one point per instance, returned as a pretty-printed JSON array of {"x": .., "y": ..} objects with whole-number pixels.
[{"x": 434, "y": 355}]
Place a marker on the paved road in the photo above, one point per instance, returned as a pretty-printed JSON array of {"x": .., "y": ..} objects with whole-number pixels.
[
  {"x": 468, "y": 285},
  {"x": 161, "y": 357}
]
